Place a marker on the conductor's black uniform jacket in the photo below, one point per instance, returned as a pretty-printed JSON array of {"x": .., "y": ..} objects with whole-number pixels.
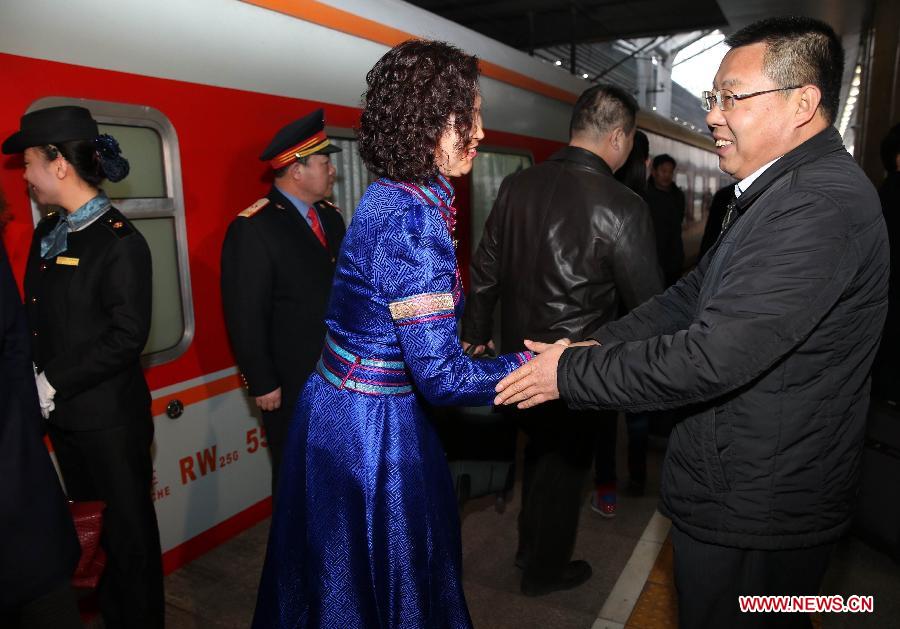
[
  {"x": 89, "y": 313},
  {"x": 276, "y": 281}
]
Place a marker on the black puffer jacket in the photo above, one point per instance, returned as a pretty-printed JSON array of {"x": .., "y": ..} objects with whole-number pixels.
[
  {"x": 768, "y": 343},
  {"x": 565, "y": 247}
]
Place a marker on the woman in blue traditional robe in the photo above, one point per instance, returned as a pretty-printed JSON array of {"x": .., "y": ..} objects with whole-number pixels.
[{"x": 366, "y": 531}]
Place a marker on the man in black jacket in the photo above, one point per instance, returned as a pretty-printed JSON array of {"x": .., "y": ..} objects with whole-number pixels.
[
  {"x": 278, "y": 262},
  {"x": 767, "y": 344},
  {"x": 565, "y": 247}
]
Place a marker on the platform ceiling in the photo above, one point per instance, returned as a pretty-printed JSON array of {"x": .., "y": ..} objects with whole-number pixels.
[{"x": 530, "y": 24}]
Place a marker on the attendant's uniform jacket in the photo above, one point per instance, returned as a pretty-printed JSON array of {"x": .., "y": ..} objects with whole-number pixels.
[
  {"x": 276, "y": 281},
  {"x": 39, "y": 549},
  {"x": 89, "y": 312}
]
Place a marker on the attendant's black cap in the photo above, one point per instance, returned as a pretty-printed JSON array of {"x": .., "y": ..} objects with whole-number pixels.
[
  {"x": 297, "y": 140},
  {"x": 50, "y": 126}
]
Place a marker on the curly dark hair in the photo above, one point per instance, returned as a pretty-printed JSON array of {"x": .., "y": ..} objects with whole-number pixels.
[{"x": 412, "y": 92}]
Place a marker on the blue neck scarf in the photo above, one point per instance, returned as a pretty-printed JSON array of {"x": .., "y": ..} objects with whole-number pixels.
[{"x": 55, "y": 242}]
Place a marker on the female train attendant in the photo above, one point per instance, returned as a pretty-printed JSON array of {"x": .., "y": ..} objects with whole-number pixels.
[
  {"x": 87, "y": 289},
  {"x": 366, "y": 531}
]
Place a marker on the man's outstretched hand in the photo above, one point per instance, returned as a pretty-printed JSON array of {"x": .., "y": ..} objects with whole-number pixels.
[{"x": 535, "y": 382}]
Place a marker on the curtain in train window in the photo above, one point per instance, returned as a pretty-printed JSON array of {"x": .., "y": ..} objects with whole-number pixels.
[
  {"x": 488, "y": 172},
  {"x": 151, "y": 196},
  {"x": 352, "y": 176}
]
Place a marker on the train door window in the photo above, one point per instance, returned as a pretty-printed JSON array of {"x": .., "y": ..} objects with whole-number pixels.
[
  {"x": 151, "y": 197},
  {"x": 352, "y": 175},
  {"x": 701, "y": 198},
  {"x": 488, "y": 172}
]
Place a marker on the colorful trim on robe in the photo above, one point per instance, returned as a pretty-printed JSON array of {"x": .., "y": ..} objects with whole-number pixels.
[
  {"x": 422, "y": 308},
  {"x": 345, "y": 370}
]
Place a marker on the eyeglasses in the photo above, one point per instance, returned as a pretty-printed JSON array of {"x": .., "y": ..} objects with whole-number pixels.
[{"x": 725, "y": 98}]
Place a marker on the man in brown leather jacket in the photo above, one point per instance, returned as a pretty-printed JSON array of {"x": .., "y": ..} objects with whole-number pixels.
[{"x": 565, "y": 249}]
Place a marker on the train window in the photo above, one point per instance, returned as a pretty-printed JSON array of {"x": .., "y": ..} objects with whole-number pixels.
[
  {"x": 701, "y": 200},
  {"x": 352, "y": 176},
  {"x": 151, "y": 197},
  {"x": 143, "y": 148},
  {"x": 168, "y": 318},
  {"x": 488, "y": 172}
]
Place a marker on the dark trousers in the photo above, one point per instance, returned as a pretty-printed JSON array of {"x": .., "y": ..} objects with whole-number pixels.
[
  {"x": 57, "y": 609},
  {"x": 709, "y": 578},
  {"x": 557, "y": 459},
  {"x": 638, "y": 426},
  {"x": 276, "y": 424},
  {"x": 114, "y": 465}
]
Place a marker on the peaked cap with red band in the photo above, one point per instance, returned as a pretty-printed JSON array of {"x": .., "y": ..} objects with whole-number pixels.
[{"x": 298, "y": 139}]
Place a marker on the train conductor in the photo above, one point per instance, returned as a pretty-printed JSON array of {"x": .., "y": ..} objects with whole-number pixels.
[{"x": 278, "y": 262}]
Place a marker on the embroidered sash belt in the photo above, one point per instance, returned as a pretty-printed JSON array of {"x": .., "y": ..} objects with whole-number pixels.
[{"x": 346, "y": 370}]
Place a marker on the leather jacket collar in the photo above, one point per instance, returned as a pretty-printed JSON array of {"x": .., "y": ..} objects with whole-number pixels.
[{"x": 583, "y": 157}]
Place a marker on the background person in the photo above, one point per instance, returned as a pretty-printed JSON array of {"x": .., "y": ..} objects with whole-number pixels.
[
  {"x": 277, "y": 266},
  {"x": 565, "y": 248},
  {"x": 666, "y": 201},
  {"x": 886, "y": 373},
  {"x": 40, "y": 549},
  {"x": 88, "y": 291}
]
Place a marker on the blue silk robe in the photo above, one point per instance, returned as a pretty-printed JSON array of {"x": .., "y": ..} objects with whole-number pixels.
[{"x": 365, "y": 532}]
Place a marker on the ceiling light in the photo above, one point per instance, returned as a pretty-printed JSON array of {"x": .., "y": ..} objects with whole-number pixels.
[
  {"x": 676, "y": 118},
  {"x": 584, "y": 76},
  {"x": 557, "y": 62},
  {"x": 856, "y": 81},
  {"x": 854, "y": 91}
]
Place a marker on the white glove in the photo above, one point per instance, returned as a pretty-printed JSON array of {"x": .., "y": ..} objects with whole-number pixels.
[{"x": 45, "y": 394}]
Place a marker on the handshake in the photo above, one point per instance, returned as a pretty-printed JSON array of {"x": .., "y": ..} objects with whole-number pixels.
[{"x": 534, "y": 382}]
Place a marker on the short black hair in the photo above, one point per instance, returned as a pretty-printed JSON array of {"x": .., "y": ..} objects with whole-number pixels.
[
  {"x": 412, "y": 94},
  {"x": 278, "y": 173},
  {"x": 890, "y": 148},
  {"x": 799, "y": 51},
  {"x": 664, "y": 158},
  {"x": 602, "y": 108}
]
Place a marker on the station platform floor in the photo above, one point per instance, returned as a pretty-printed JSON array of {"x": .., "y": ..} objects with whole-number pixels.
[{"x": 631, "y": 585}]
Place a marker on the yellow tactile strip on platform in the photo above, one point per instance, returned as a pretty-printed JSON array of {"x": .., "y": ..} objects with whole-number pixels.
[{"x": 657, "y": 607}]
